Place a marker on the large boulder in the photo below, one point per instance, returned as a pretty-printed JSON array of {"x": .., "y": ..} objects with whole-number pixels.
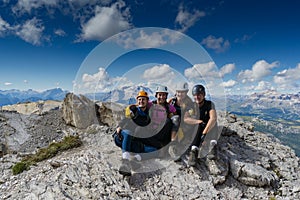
[
  {"x": 251, "y": 174},
  {"x": 79, "y": 111},
  {"x": 110, "y": 113}
]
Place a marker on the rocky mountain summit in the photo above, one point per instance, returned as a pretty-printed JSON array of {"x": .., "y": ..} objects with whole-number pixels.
[{"x": 248, "y": 165}]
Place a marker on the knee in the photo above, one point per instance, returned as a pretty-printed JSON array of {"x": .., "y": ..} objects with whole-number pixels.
[
  {"x": 125, "y": 133},
  {"x": 175, "y": 120},
  {"x": 118, "y": 140}
]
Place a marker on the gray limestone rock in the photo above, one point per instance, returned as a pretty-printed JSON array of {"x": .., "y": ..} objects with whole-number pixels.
[
  {"x": 79, "y": 111},
  {"x": 251, "y": 174},
  {"x": 248, "y": 165}
]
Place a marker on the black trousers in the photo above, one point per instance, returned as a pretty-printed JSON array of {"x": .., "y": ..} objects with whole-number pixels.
[{"x": 158, "y": 138}]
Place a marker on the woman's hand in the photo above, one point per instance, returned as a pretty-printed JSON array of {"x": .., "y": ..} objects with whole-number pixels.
[{"x": 119, "y": 130}]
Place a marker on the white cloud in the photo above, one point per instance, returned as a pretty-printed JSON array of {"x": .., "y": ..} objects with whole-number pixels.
[
  {"x": 60, "y": 32},
  {"x": 31, "y": 31},
  {"x": 106, "y": 22},
  {"x": 141, "y": 40},
  {"x": 208, "y": 70},
  {"x": 201, "y": 71},
  {"x": 4, "y": 27},
  {"x": 28, "y": 5},
  {"x": 259, "y": 70},
  {"x": 227, "y": 69},
  {"x": 244, "y": 38},
  {"x": 288, "y": 78},
  {"x": 263, "y": 85},
  {"x": 229, "y": 84},
  {"x": 217, "y": 44},
  {"x": 101, "y": 82},
  {"x": 82, "y": 3},
  {"x": 159, "y": 73},
  {"x": 7, "y": 83},
  {"x": 187, "y": 19}
]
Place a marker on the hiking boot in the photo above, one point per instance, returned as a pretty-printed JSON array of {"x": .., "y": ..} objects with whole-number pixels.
[
  {"x": 125, "y": 168},
  {"x": 212, "y": 154},
  {"x": 135, "y": 165},
  {"x": 162, "y": 153},
  {"x": 192, "y": 157},
  {"x": 184, "y": 159},
  {"x": 173, "y": 152}
]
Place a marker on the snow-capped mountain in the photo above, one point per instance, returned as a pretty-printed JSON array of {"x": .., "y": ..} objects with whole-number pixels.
[
  {"x": 275, "y": 97},
  {"x": 269, "y": 105},
  {"x": 125, "y": 95},
  {"x": 14, "y": 96}
]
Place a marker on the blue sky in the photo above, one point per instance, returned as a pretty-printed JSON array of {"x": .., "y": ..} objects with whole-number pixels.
[{"x": 253, "y": 45}]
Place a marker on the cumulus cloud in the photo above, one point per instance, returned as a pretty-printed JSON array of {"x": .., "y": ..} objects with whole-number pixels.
[
  {"x": 227, "y": 69},
  {"x": 187, "y": 19},
  {"x": 259, "y": 70},
  {"x": 217, "y": 44},
  {"x": 31, "y": 31},
  {"x": 106, "y": 22},
  {"x": 264, "y": 85},
  {"x": 4, "y": 27},
  {"x": 228, "y": 84},
  {"x": 28, "y": 5},
  {"x": 60, "y": 32},
  {"x": 101, "y": 82},
  {"x": 159, "y": 73},
  {"x": 288, "y": 78},
  {"x": 203, "y": 71},
  {"x": 83, "y": 3},
  {"x": 142, "y": 39}
]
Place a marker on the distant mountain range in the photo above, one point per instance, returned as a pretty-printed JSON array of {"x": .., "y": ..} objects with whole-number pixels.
[
  {"x": 270, "y": 111},
  {"x": 126, "y": 95},
  {"x": 13, "y": 96},
  {"x": 266, "y": 105}
]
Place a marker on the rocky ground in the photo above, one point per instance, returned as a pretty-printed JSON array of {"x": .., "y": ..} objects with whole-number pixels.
[{"x": 249, "y": 165}]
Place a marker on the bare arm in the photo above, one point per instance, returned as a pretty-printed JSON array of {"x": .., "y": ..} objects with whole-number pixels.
[
  {"x": 189, "y": 120},
  {"x": 211, "y": 122}
]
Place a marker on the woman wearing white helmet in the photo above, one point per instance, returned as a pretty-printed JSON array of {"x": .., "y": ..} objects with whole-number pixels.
[{"x": 161, "y": 124}]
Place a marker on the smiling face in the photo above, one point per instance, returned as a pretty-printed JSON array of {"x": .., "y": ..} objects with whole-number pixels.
[
  {"x": 161, "y": 97},
  {"x": 180, "y": 94},
  {"x": 199, "y": 98},
  {"x": 142, "y": 101}
]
